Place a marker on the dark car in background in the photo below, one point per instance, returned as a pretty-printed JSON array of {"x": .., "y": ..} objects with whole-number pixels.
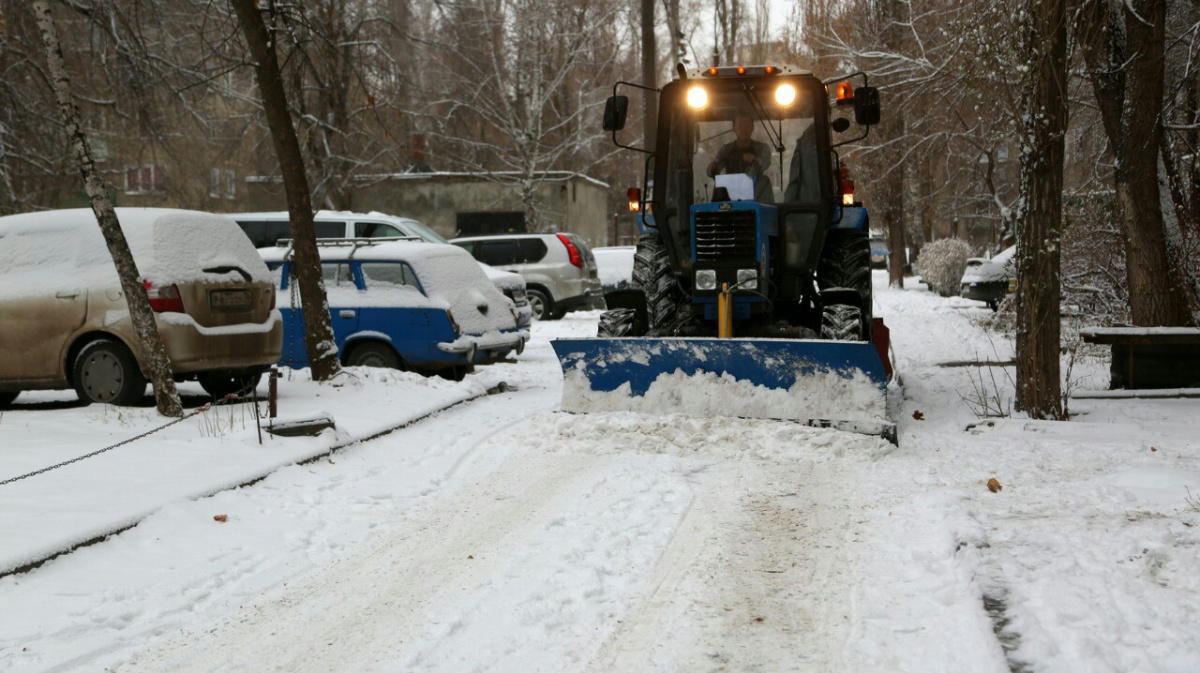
[{"x": 986, "y": 280}]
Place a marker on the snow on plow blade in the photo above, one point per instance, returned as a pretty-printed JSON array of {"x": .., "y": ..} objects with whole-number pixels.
[{"x": 837, "y": 384}]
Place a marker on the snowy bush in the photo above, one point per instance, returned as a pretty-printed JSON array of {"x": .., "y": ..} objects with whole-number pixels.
[{"x": 943, "y": 263}]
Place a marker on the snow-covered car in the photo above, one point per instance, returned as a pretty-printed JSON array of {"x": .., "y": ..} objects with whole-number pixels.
[
  {"x": 426, "y": 307},
  {"x": 66, "y": 321},
  {"x": 986, "y": 280},
  {"x": 268, "y": 228},
  {"x": 614, "y": 264}
]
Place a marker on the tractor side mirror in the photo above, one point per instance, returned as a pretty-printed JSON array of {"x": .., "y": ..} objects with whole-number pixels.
[
  {"x": 866, "y": 106},
  {"x": 615, "y": 111}
]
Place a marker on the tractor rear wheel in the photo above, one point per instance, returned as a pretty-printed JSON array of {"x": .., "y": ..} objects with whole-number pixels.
[
  {"x": 668, "y": 308},
  {"x": 846, "y": 263}
]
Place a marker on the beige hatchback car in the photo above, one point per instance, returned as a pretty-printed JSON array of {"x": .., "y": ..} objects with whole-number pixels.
[{"x": 64, "y": 321}]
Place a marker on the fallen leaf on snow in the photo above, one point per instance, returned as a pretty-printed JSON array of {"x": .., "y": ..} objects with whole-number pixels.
[
  {"x": 470, "y": 556},
  {"x": 994, "y": 486},
  {"x": 917, "y": 415},
  {"x": 1153, "y": 449},
  {"x": 221, "y": 517}
]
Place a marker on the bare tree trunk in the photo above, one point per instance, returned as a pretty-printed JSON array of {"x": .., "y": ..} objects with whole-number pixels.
[
  {"x": 166, "y": 397},
  {"x": 649, "y": 75},
  {"x": 318, "y": 337},
  {"x": 1155, "y": 299},
  {"x": 1125, "y": 60},
  {"x": 1039, "y": 222}
]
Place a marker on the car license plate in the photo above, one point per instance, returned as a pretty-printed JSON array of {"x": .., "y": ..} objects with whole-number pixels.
[{"x": 229, "y": 301}]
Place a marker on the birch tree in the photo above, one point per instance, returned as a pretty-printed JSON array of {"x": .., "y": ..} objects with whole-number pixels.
[{"x": 141, "y": 316}]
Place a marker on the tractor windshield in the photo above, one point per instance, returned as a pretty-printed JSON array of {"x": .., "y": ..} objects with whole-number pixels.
[{"x": 750, "y": 145}]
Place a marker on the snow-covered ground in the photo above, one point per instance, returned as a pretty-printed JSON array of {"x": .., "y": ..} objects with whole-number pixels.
[{"x": 503, "y": 535}]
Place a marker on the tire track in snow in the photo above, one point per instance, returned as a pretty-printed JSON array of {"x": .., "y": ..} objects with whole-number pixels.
[
  {"x": 362, "y": 612},
  {"x": 752, "y": 579}
]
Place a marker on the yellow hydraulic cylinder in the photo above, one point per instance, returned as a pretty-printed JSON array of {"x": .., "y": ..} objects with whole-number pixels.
[{"x": 725, "y": 313}]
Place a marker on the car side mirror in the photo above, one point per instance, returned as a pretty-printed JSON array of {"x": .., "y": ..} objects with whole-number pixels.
[
  {"x": 615, "y": 111},
  {"x": 866, "y": 106}
]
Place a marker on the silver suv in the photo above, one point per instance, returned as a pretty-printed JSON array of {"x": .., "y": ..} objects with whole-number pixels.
[{"x": 559, "y": 269}]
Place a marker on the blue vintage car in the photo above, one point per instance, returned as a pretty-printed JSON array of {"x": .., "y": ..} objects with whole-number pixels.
[{"x": 425, "y": 307}]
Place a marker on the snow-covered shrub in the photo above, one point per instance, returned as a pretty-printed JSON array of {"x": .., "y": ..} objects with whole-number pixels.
[{"x": 943, "y": 263}]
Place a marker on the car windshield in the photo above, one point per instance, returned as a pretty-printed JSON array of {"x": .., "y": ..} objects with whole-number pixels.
[{"x": 751, "y": 145}]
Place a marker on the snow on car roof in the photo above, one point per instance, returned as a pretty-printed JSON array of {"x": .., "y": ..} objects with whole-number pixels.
[
  {"x": 502, "y": 278},
  {"x": 168, "y": 245}
]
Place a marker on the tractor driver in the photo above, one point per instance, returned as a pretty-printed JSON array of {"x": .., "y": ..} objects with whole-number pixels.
[{"x": 743, "y": 154}]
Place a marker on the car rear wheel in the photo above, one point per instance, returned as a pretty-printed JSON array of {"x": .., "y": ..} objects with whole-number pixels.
[
  {"x": 220, "y": 386},
  {"x": 456, "y": 373},
  {"x": 373, "y": 355},
  {"x": 7, "y": 398},
  {"x": 106, "y": 372},
  {"x": 540, "y": 304}
]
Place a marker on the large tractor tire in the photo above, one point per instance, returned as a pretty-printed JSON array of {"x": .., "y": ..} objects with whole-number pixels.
[
  {"x": 652, "y": 273},
  {"x": 841, "y": 322},
  {"x": 620, "y": 322},
  {"x": 846, "y": 263},
  {"x": 626, "y": 314},
  {"x": 668, "y": 309}
]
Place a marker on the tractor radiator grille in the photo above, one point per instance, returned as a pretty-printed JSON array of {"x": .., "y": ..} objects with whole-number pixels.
[{"x": 726, "y": 238}]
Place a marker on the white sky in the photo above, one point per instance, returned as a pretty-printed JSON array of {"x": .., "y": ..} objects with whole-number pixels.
[{"x": 702, "y": 40}]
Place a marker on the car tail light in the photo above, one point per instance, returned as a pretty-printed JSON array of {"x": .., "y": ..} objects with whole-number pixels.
[
  {"x": 572, "y": 251},
  {"x": 453, "y": 322},
  {"x": 164, "y": 299}
]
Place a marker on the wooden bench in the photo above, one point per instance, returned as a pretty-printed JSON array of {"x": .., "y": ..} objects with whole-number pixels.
[{"x": 1150, "y": 357}]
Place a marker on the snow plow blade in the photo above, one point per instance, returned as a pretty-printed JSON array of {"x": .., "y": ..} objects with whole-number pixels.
[{"x": 834, "y": 384}]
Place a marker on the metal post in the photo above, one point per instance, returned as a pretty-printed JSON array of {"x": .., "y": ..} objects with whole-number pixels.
[
  {"x": 273, "y": 393},
  {"x": 725, "y": 313}
]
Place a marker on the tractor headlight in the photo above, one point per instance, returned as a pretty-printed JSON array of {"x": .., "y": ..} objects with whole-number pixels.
[
  {"x": 697, "y": 97},
  {"x": 747, "y": 279},
  {"x": 785, "y": 94},
  {"x": 706, "y": 279}
]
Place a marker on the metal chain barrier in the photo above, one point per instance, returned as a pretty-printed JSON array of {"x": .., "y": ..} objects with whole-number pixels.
[{"x": 195, "y": 412}]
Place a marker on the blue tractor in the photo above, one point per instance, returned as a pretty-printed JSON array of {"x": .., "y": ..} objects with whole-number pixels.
[{"x": 752, "y": 273}]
